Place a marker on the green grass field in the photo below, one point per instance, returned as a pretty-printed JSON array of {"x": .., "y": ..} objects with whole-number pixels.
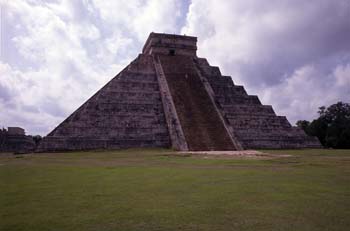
[{"x": 156, "y": 190}]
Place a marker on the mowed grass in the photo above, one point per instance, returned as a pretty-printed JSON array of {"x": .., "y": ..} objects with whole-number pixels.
[{"x": 152, "y": 189}]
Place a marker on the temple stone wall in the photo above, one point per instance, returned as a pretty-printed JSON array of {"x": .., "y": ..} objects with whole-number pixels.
[
  {"x": 14, "y": 140},
  {"x": 126, "y": 112},
  {"x": 168, "y": 97},
  {"x": 255, "y": 125},
  {"x": 167, "y": 43}
]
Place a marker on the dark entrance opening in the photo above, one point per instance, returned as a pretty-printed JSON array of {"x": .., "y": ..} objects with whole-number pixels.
[{"x": 171, "y": 52}]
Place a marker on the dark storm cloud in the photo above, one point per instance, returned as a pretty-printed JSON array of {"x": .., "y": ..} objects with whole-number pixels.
[
  {"x": 5, "y": 93},
  {"x": 294, "y": 54},
  {"x": 310, "y": 36}
]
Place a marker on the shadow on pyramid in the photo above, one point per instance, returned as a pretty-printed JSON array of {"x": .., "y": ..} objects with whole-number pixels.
[{"x": 168, "y": 97}]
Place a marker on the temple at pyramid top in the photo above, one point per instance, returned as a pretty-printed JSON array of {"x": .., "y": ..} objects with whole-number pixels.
[
  {"x": 170, "y": 44},
  {"x": 169, "y": 97}
]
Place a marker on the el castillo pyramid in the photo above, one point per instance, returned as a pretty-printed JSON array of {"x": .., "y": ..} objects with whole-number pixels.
[{"x": 169, "y": 97}]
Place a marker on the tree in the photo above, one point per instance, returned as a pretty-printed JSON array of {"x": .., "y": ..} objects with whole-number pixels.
[
  {"x": 332, "y": 127},
  {"x": 303, "y": 124},
  {"x": 37, "y": 139}
]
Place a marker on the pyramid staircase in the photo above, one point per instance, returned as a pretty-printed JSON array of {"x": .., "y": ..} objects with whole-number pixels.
[{"x": 199, "y": 119}]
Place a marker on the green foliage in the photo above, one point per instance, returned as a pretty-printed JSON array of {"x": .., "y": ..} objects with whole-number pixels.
[
  {"x": 37, "y": 139},
  {"x": 332, "y": 127},
  {"x": 303, "y": 124}
]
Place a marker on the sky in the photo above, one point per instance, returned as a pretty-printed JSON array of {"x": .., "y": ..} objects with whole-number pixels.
[{"x": 55, "y": 54}]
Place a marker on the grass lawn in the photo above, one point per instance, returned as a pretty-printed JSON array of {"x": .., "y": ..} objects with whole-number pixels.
[{"x": 154, "y": 190}]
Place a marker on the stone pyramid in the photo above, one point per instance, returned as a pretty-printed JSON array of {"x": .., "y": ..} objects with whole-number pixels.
[{"x": 168, "y": 97}]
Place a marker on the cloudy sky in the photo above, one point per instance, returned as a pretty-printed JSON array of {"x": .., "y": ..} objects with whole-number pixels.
[{"x": 54, "y": 54}]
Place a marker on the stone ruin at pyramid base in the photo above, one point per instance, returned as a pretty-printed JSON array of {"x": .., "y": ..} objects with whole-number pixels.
[
  {"x": 14, "y": 140},
  {"x": 169, "y": 97}
]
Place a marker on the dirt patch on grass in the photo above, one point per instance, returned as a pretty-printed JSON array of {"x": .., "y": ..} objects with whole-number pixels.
[
  {"x": 249, "y": 154},
  {"x": 136, "y": 158}
]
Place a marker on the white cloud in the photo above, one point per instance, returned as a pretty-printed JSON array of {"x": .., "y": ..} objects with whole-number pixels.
[
  {"x": 151, "y": 19},
  {"x": 299, "y": 95},
  {"x": 23, "y": 105},
  {"x": 342, "y": 75},
  {"x": 58, "y": 53}
]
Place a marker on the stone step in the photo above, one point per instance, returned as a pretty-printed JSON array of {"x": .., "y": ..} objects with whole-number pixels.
[
  {"x": 239, "y": 100},
  {"x": 200, "y": 122},
  {"x": 256, "y": 122},
  {"x": 243, "y": 109}
]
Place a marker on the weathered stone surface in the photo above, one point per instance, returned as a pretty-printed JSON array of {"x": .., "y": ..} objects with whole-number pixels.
[
  {"x": 255, "y": 125},
  {"x": 126, "y": 112},
  {"x": 14, "y": 140},
  {"x": 168, "y": 44},
  {"x": 200, "y": 121},
  {"x": 168, "y": 97},
  {"x": 176, "y": 133}
]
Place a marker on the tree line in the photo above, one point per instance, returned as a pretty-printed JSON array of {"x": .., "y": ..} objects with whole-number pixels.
[{"x": 332, "y": 127}]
